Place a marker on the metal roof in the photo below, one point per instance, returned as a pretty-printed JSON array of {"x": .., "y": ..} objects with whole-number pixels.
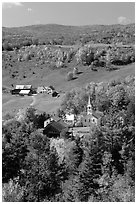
[
  {"x": 19, "y": 87},
  {"x": 70, "y": 117},
  {"x": 24, "y": 91},
  {"x": 23, "y": 86},
  {"x": 27, "y": 86},
  {"x": 80, "y": 129}
]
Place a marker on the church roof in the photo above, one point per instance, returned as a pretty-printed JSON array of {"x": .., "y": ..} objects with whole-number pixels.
[
  {"x": 89, "y": 103},
  {"x": 97, "y": 114}
]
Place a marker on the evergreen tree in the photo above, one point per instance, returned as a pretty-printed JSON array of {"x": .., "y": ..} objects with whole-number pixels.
[
  {"x": 13, "y": 156},
  {"x": 71, "y": 189},
  {"x": 90, "y": 169},
  {"x": 42, "y": 176}
]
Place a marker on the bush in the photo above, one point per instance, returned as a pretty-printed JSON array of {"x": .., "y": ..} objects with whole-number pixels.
[
  {"x": 26, "y": 57},
  {"x": 75, "y": 71},
  {"x": 59, "y": 64},
  {"x": 70, "y": 76},
  {"x": 7, "y": 46}
]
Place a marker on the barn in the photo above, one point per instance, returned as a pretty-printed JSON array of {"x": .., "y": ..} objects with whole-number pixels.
[
  {"x": 15, "y": 91},
  {"x": 55, "y": 129},
  {"x": 25, "y": 92},
  {"x": 22, "y": 90}
]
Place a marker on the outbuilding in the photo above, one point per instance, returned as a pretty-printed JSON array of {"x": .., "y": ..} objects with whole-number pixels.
[
  {"x": 41, "y": 89},
  {"x": 70, "y": 119},
  {"x": 55, "y": 94},
  {"x": 55, "y": 129},
  {"x": 25, "y": 92}
]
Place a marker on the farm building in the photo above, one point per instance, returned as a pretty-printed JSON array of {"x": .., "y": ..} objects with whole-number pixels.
[
  {"x": 70, "y": 119},
  {"x": 22, "y": 90},
  {"x": 80, "y": 131},
  {"x": 25, "y": 92},
  {"x": 55, "y": 94},
  {"x": 15, "y": 91},
  {"x": 41, "y": 89},
  {"x": 46, "y": 89},
  {"x": 55, "y": 129},
  {"x": 26, "y": 87},
  {"x": 53, "y": 118},
  {"x": 19, "y": 87}
]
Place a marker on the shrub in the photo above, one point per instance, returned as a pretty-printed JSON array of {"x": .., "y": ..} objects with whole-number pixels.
[
  {"x": 75, "y": 71},
  {"x": 12, "y": 191},
  {"x": 70, "y": 76},
  {"x": 26, "y": 57},
  {"x": 7, "y": 46},
  {"x": 59, "y": 64}
]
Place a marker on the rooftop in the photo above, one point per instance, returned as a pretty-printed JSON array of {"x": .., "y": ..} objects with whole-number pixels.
[
  {"x": 56, "y": 125},
  {"x": 80, "y": 129}
]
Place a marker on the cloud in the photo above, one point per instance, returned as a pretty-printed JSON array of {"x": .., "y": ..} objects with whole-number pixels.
[
  {"x": 29, "y": 9},
  {"x": 11, "y": 4},
  {"x": 123, "y": 20}
]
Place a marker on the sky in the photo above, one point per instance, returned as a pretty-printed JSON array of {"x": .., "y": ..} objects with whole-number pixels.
[{"x": 15, "y": 14}]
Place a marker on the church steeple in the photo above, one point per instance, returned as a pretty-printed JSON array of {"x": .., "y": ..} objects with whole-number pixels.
[{"x": 89, "y": 107}]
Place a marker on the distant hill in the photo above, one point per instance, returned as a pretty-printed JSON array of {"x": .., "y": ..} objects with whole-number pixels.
[{"x": 69, "y": 35}]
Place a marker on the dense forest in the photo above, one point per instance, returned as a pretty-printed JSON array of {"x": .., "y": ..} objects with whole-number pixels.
[{"x": 99, "y": 168}]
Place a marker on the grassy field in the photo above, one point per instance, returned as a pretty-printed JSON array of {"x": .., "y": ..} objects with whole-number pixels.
[
  {"x": 57, "y": 78},
  {"x": 11, "y": 104},
  {"x": 47, "y": 103}
]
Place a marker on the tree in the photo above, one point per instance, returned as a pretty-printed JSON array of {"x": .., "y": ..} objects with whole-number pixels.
[
  {"x": 7, "y": 46},
  {"x": 30, "y": 114},
  {"x": 39, "y": 120},
  {"x": 75, "y": 71},
  {"x": 70, "y": 76},
  {"x": 73, "y": 156},
  {"x": 26, "y": 57},
  {"x": 10, "y": 127},
  {"x": 12, "y": 191},
  {"x": 42, "y": 164},
  {"x": 71, "y": 189},
  {"x": 90, "y": 169},
  {"x": 13, "y": 157}
]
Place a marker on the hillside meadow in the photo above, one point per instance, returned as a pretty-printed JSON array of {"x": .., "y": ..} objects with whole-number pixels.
[{"x": 47, "y": 103}]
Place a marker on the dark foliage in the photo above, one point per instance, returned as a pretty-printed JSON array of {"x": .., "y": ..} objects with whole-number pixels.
[{"x": 99, "y": 167}]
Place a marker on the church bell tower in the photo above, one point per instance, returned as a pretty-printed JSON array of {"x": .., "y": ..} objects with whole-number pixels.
[{"x": 89, "y": 107}]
